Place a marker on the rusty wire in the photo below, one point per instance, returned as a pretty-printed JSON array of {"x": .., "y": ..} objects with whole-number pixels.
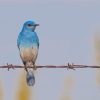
[{"x": 67, "y": 66}]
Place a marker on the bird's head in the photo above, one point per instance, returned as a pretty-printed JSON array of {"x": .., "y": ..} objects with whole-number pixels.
[{"x": 30, "y": 25}]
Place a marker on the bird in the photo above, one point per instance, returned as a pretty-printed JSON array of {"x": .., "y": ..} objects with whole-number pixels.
[{"x": 28, "y": 45}]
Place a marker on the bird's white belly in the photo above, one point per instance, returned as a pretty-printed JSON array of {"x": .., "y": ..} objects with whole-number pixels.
[{"x": 28, "y": 54}]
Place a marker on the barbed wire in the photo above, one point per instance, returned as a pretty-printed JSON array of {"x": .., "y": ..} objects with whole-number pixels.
[{"x": 67, "y": 66}]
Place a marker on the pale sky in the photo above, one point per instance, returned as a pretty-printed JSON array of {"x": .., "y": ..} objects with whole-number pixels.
[
  {"x": 43, "y": 1},
  {"x": 65, "y": 33}
]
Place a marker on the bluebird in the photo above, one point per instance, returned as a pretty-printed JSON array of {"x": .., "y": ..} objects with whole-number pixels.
[{"x": 28, "y": 45}]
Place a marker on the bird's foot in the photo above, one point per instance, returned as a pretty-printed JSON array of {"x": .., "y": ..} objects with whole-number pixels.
[
  {"x": 34, "y": 67},
  {"x": 26, "y": 69}
]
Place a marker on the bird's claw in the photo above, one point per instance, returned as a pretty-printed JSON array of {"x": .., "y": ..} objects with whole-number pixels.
[
  {"x": 34, "y": 67},
  {"x": 26, "y": 69}
]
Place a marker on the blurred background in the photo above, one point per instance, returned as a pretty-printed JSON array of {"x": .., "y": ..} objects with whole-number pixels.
[{"x": 69, "y": 31}]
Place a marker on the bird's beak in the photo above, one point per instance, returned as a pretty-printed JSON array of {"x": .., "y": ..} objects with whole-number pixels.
[{"x": 36, "y": 24}]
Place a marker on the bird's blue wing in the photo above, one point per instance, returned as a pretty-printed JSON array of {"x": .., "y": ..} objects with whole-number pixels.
[
  {"x": 36, "y": 39},
  {"x": 19, "y": 40}
]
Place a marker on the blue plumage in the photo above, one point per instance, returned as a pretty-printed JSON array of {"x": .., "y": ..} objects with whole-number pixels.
[
  {"x": 28, "y": 44},
  {"x": 28, "y": 36}
]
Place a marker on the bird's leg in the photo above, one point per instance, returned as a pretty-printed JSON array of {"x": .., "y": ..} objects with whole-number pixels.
[
  {"x": 26, "y": 68},
  {"x": 25, "y": 65},
  {"x": 34, "y": 67}
]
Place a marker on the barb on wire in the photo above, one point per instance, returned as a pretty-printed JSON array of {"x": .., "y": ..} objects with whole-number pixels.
[{"x": 67, "y": 66}]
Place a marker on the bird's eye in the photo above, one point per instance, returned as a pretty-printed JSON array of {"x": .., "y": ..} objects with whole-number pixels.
[{"x": 29, "y": 25}]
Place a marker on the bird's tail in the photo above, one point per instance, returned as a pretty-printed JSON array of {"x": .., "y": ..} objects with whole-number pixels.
[{"x": 30, "y": 78}]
